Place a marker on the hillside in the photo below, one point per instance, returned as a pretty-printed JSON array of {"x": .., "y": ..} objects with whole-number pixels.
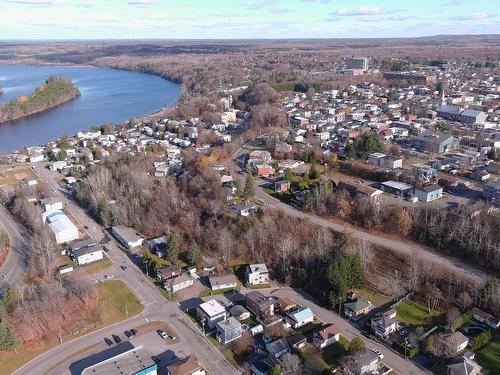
[{"x": 55, "y": 91}]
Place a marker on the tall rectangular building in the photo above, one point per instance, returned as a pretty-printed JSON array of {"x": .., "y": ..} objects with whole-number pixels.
[{"x": 357, "y": 63}]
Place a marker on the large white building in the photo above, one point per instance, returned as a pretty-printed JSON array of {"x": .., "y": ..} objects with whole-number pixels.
[
  {"x": 128, "y": 237},
  {"x": 62, "y": 227},
  {"x": 88, "y": 254},
  {"x": 257, "y": 274},
  {"x": 357, "y": 63}
]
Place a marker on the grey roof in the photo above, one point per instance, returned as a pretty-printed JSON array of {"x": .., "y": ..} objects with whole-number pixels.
[
  {"x": 228, "y": 324},
  {"x": 463, "y": 366},
  {"x": 87, "y": 250},
  {"x": 429, "y": 188},
  {"x": 222, "y": 280},
  {"x": 471, "y": 113},
  {"x": 450, "y": 109},
  {"x": 83, "y": 243},
  {"x": 279, "y": 345},
  {"x": 259, "y": 299},
  {"x": 433, "y": 137},
  {"x": 365, "y": 357},
  {"x": 128, "y": 234},
  {"x": 397, "y": 185},
  {"x": 237, "y": 310}
]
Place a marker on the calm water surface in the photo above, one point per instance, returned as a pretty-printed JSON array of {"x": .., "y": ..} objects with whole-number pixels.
[{"x": 108, "y": 96}]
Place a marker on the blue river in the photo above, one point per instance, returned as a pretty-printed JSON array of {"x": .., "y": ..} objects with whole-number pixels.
[{"x": 108, "y": 96}]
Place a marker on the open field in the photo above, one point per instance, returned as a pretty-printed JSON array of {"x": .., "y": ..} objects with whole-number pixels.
[
  {"x": 97, "y": 267},
  {"x": 12, "y": 177},
  {"x": 113, "y": 296}
]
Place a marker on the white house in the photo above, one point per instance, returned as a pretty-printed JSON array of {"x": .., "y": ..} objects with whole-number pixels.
[
  {"x": 211, "y": 312},
  {"x": 179, "y": 282},
  {"x": 301, "y": 317},
  {"x": 257, "y": 274},
  {"x": 223, "y": 282},
  {"x": 51, "y": 204},
  {"x": 88, "y": 254},
  {"x": 62, "y": 227},
  {"x": 128, "y": 237},
  {"x": 326, "y": 336},
  {"x": 384, "y": 324},
  {"x": 455, "y": 341}
]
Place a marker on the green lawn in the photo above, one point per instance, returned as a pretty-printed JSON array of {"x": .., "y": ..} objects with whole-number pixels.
[
  {"x": 206, "y": 293},
  {"x": 97, "y": 267},
  {"x": 260, "y": 286},
  {"x": 489, "y": 358},
  {"x": 334, "y": 353},
  {"x": 415, "y": 314},
  {"x": 312, "y": 355},
  {"x": 116, "y": 301},
  {"x": 251, "y": 322},
  {"x": 378, "y": 299},
  {"x": 236, "y": 359}
]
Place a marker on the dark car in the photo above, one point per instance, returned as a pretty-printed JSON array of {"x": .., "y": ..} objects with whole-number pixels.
[
  {"x": 116, "y": 338},
  {"x": 108, "y": 341},
  {"x": 123, "y": 267},
  {"x": 156, "y": 360},
  {"x": 133, "y": 331},
  {"x": 128, "y": 334}
]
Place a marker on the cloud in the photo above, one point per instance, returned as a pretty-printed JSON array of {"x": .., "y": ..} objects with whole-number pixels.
[
  {"x": 361, "y": 11},
  {"x": 450, "y": 3},
  {"x": 141, "y": 3},
  {"x": 474, "y": 16},
  {"x": 34, "y": 2}
]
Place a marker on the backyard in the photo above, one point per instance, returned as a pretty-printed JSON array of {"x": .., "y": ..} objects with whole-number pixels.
[
  {"x": 415, "y": 314},
  {"x": 489, "y": 357}
]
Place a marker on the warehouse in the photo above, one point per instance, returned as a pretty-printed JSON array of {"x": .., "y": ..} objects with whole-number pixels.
[{"x": 62, "y": 227}]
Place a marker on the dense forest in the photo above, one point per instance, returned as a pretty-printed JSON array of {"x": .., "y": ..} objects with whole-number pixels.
[{"x": 55, "y": 91}]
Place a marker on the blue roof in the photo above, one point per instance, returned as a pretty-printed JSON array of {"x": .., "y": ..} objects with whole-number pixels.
[{"x": 302, "y": 314}]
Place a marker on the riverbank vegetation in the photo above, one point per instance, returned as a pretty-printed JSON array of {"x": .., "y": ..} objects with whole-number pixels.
[
  {"x": 4, "y": 245},
  {"x": 55, "y": 91}
]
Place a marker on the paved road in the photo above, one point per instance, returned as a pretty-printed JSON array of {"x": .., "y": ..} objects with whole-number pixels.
[
  {"x": 392, "y": 359},
  {"x": 408, "y": 248},
  {"x": 156, "y": 307},
  {"x": 14, "y": 267}
]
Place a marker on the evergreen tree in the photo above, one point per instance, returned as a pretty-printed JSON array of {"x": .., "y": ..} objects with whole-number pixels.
[
  {"x": 173, "y": 248},
  {"x": 313, "y": 173},
  {"x": 249, "y": 190},
  {"x": 492, "y": 154},
  {"x": 194, "y": 254}
]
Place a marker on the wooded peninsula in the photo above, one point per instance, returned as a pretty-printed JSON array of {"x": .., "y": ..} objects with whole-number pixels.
[{"x": 55, "y": 91}]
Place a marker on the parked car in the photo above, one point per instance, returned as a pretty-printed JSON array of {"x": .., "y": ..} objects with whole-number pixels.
[
  {"x": 156, "y": 360},
  {"x": 116, "y": 338},
  {"x": 128, "y": 334},
  {"x": 133, "y": 331},
  {"x": 108, "y": 341},
  {"x": 123, "y": 267},
  {"x": 162, "y": 334},
  {"x": 380, "y": 355}
]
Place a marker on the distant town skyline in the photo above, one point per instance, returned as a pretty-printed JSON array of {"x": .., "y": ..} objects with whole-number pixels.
[{"x": 239, "y": 19}]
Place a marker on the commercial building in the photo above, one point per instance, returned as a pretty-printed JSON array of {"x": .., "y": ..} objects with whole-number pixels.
[
  {"x": 435, "y": 142},
  {"x": 397, "y": 188},
  {"x": 62, "y": 227},
  {"x": 128, "y": 237},
  {"x": 467, "y": 116},
  {"x": 132, "y": 362},
  {"x": 357, "y": 63}
]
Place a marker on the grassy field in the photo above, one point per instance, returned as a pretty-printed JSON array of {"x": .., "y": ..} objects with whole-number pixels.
[
  {"x": 116, "y": 300},
  {"x": 15, "y": 176},
  {"x": 113, "y": 296},
  {"x": 489, "y": 358},
  {"x": 373, "y": 296},
  {"x": 415, "y": 314},
  {"x": 97, "y": 267}
]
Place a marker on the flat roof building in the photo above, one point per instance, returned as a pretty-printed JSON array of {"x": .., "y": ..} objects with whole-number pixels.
[{"x": 135, "y": 361}]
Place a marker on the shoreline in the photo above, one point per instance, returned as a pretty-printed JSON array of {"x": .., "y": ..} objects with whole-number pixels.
[{"x": 69, "y": 65}]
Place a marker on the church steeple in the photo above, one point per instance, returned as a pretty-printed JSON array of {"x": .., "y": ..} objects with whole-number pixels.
[{"x": 443, "y": 100}]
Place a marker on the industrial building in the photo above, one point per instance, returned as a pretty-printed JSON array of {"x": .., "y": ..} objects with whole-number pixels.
[
  {"x": 357, "y": 63},
  {"x": 62, "y": 227},
  {"x": 132, "y": 362}
]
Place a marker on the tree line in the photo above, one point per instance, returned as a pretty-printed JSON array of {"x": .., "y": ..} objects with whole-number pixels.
[{"x": 55, "y": 91}]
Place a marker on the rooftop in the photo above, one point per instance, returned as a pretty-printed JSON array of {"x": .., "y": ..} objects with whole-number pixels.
[
  {"x": 127, "y": 363},
  {"x": 212, "y": 307}
]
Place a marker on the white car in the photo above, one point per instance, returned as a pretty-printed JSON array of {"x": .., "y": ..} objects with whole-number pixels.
[
  {"x": 163, "y": 334},
  {"x": 380, "y": 355}
]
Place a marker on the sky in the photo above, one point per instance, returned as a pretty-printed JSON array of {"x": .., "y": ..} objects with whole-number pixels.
[{"x": 244, "y": 19}]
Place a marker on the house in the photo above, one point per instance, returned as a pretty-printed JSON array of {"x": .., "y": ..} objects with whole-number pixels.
[
  {"x": 179, "y": 282},
  {"x": 297, "y": 341},
  {"x": 239, "y": 312},
  {"x": 263, "y": 366},
  {"x": 435, "y": 142},
  {"x": 366, "y": 362},
  {"x": 259, "y": 157},
  {"x": 357, "y": 190},
  {"x": 281, "y": 186},
  {"x": 464, "y": 365},
  {"x": 259, "y": 304},
  {"x": 31, "y": 181},
  {"x": 223, "y": 282},
  {"x": 228, "y": 330},
  {"x": 390, "y": 162},
  {"x": 397, "y": 188},
  {"x": 165, "y": 273},
  {"x": 356, "y": 308},
  {"x": 187, "y": 366},
  {"x": 211, "y": 312},
  {"x": 79, "y": 244},
  {"x": 257, "y": 274},
  {"x": 325, "y": 336},
  {"x": 88, "y": 254},
  {"x": 278, "y": 347},
  {"x": 484, "y": 317},
  {"x": 157, "y": 245},
  {"x": 428, "y": 192},
  {"x": 128, "y": 237},
  {"x": 455, "y": 341},
  {"x": 300, "y": 317},
  {"x": 384, "y": 324},
  {"x": 51, "y": 204},
  {"x": 243, "y": 209},
  {"x": 285, "y": 304},
  {"x": 61, "y": 226},
  {"x": 263, "y": 170}
]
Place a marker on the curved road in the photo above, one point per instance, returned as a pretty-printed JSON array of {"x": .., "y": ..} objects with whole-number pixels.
[{"x": 13, "y": 269}]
